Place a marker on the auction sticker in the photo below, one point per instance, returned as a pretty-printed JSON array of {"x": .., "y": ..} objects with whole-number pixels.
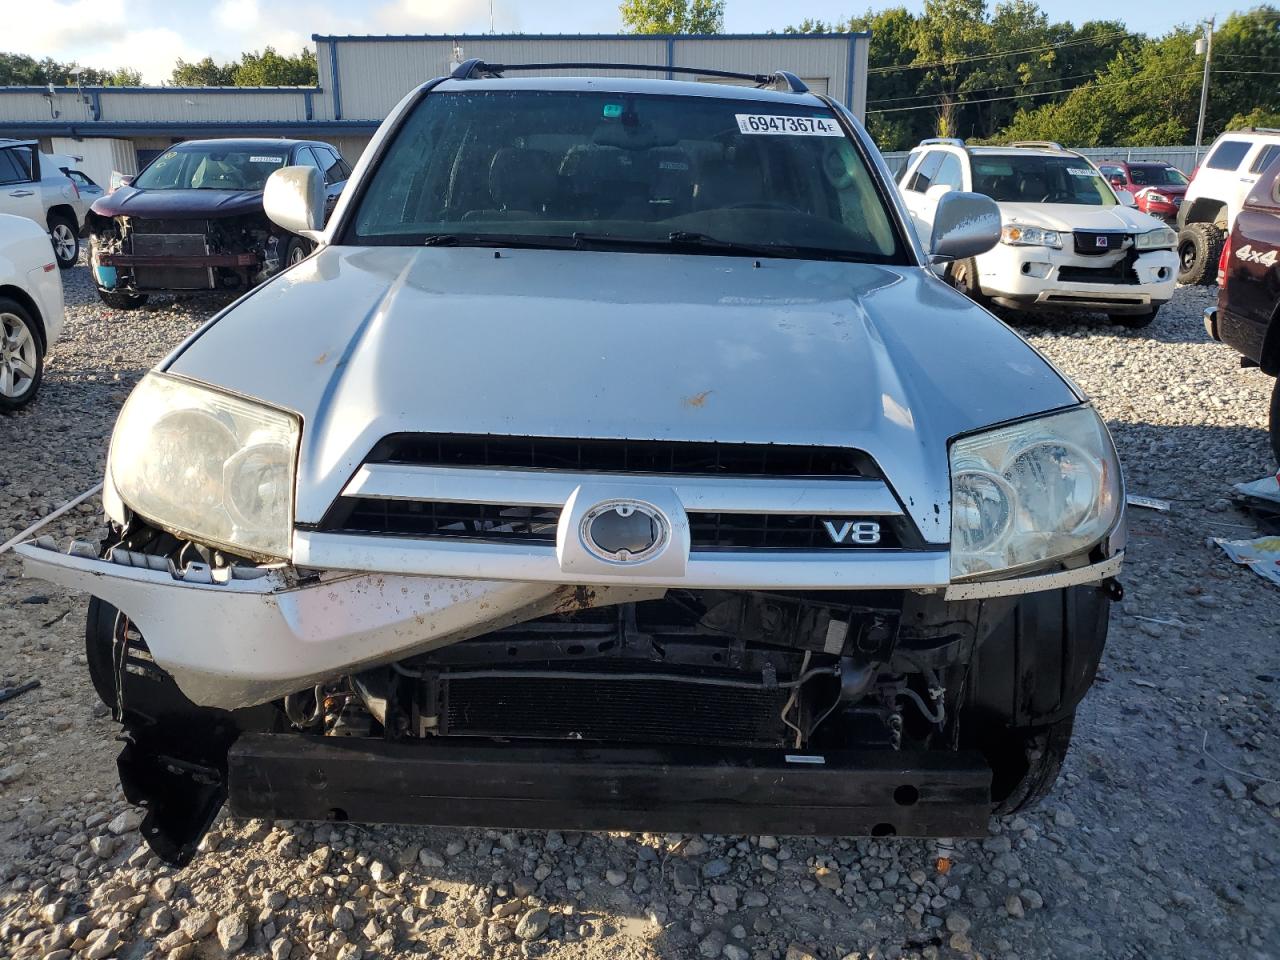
[
  {"x": 1081, "y": 172},
  {"x": 266, "y": 159},
  {"x": 770, "y": 125}
]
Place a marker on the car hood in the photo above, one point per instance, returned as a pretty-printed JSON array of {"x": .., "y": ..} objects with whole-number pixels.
[
  {"x": 1076, "y": 216},
  {"x": 366, "y": 342},
  {"x": 1169, "y": 191},
  {"x": 132, "y": 202}
]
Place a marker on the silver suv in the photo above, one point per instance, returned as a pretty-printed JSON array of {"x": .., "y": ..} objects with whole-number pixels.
[{"x": 617, "y": 461}]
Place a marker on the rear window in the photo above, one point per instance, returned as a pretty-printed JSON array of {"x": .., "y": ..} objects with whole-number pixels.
[
  {"x": 1227, "y": 155},
  {"x": 592, "y": 168}
]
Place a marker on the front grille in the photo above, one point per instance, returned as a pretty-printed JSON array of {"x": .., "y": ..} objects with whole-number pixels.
[
  {"x": 647, "y": 711},
  {"x": 1097, "y": 243},
  {"x": 424, "y": 519},
  {"x": 1120, "y": 273},
  {"x": 686, "y": 458},
  {"x": 170, "y": 245},
  {"x": 428, "y": 518}
]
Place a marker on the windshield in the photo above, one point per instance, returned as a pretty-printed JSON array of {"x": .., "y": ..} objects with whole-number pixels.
[
  {"x": 1041, "y": 179},
  {"x": 1158, "y": 177},
  {"x": 626, "y": 171},
  {"x": 212, "y": 168}
]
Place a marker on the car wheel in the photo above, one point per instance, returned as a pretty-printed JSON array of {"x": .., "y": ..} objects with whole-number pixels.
[
  {"x": 963, "y": 275},
  {"x": 1134, "y": 321},
  {"x": 121, "y": 299},
  {"x": 21, "y": 355},
  {"x": 1275, "y": 420},
  {"x": 1199, "y": 246},
  {"x": 297, "y": 251},
  {"x": 1038, "y": 754},
  {"x": 66, "y": 242}
]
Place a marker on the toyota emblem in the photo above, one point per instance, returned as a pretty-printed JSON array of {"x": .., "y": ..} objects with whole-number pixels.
[{"x": 625, "y": 531}]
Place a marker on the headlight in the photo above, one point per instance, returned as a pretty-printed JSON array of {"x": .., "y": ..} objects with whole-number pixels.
[
  {"x": 1021, "y": 235},
  {"x": 1154, "y": 197},
  {"x": 1162, "y": 238},
  {"x": 207, "y": 466},
  {"x": 1031, "y": 493}
]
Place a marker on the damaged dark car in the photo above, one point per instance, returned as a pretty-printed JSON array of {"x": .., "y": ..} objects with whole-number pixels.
[{"x": 193, "y": 219}]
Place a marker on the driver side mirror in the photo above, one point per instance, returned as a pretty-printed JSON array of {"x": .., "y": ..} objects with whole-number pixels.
[
  {"x": 1126, "y": 198},
  {"x": 294, "y": 199},
  {"x": 964, "y": 225}
]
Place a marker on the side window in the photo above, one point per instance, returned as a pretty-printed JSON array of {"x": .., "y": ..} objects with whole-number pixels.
[
  {"x": 950, "y": 172},
  {"x": 15, "y": 165},
  {"x": 305, "y": 158},
  {"x": 922, "y": 179},
  {"x": 1227, "y": 155},
  {"x": 1265, "y": 157},
  {"x": 334, "y": 172},
  {"x": 9, "y": 170},
  {"x": 1112, "y": 173}
]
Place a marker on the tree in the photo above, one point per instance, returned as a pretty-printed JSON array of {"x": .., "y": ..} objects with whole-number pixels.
[
  {"x": 673, "y": 16},
  {"x": 17, "y": 69},
  {"x": 203, "y": 73},
  {"x": 271, "y": 69}
]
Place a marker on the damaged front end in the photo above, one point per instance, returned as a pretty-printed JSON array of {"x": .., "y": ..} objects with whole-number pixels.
[
  {"x": 473, "y": 702},
  {"x": 135, "y": 255}
]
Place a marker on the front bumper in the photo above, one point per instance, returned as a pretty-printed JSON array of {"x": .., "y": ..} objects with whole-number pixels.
[
  {"x": 1032, "y": 278},
  {"x": 231, "y": 642},
  {"x": 463, "y": 782}
]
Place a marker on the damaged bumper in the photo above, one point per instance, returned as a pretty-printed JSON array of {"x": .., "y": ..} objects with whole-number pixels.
[{"x": 239, "y": 640}]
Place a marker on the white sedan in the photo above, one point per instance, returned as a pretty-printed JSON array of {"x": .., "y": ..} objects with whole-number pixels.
[{"x": 31, "y": 311}]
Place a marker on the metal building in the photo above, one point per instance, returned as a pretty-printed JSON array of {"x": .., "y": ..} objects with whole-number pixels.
[{"x": 362, "y": 77}]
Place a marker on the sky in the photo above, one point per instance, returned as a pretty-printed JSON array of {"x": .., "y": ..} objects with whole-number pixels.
[{"x": 149, "y": 35}]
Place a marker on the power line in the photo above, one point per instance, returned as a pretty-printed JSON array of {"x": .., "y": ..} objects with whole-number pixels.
[
  {"x": 1006, "y": 86},
  {"x": 1044, "y": 93},
  {"x": 1100, "y": 38}
]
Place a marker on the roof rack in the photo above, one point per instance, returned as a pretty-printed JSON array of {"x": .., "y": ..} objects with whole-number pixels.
[
  {"x": 1041, "y": 145},
  {"x": 949, "y": 141},
  {"x": 1257, "y": 130},
  {"x": 781, "y": 80}
]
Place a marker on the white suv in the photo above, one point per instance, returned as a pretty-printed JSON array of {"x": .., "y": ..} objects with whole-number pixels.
[
  {"x": 32, "y": 186},
  {"x": 1216, "y": 193},
  {"x": 1068, "y": 240}
]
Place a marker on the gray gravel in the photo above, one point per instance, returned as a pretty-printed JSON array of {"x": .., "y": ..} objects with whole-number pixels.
[{"x": 1150, "y": 847}]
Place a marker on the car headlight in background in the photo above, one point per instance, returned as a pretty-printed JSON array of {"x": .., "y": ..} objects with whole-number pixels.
[
  {"x": 1153, "y": 197},
  {"x": 1031, "y": 493},
  {"x": 1021, "y": 235},
  {"x": 1162, "y": 238},
  {"x": 207, "y": 465}
]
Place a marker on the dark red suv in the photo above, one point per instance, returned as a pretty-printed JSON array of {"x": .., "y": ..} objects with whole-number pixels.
[
  {"x": 1247, "y": 316},
  {"x": 1158, "y": 187}
]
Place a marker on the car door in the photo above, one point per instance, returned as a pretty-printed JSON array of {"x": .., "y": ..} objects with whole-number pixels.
[
  {"x": 915, "y": 193},
  {"x": 20, "y": 183},
  {"x": 1253, "y": 267}
]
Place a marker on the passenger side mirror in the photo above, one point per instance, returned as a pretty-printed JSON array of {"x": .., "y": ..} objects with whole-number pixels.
[
  {"x": 1127, "y": 198},
  {"x": 964, "y": 225},
  {"x": 294, "y": 199}
]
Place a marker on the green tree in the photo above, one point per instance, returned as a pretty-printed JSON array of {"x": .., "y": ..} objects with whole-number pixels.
[
  {"x": 18, "y": 69},
  {"x": 203, "y": 73},
  {"x": 271, "y": 69},
  {"x": 673, "y": 16}
]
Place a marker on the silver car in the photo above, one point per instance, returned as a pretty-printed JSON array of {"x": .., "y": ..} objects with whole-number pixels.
[{"x": 617, "y": 461}]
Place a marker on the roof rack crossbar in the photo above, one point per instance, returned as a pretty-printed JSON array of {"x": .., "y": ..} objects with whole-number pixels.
[
  {"x": 1041, "y": 145},
  {"x": 949, "y": 141},
  {"x": 476, "y": 68}
]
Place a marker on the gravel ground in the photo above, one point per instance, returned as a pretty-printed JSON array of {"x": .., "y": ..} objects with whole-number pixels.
[{"x": 1150, "y": 846}]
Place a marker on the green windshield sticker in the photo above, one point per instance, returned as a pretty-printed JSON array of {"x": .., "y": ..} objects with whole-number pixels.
[{"x": 613, "y": 110}]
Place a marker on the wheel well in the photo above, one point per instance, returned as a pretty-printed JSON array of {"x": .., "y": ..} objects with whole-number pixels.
[
  {"x": 1206, "y": 210},
  {"x": 67, "y": 211},
  {"x": 20, "y": 295},
  {"x": 1270, "y": 362}
]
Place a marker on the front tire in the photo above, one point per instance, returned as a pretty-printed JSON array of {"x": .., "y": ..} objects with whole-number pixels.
[
  {"x": 66, "y": 241},
  {"x": 963, "y": 275},
  {"x": 121, "y": 299},
  {"x": 297, "y": 251},
  {"x": 1133, "y": 321},
  {"x": 1199, "y": 246},
  {"x": 1028, "y": 765},
  {"x": 21, "y": 355}
]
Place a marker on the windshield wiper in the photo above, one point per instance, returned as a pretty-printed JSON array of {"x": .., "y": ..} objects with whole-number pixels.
[{"x": 494, "y": 240}]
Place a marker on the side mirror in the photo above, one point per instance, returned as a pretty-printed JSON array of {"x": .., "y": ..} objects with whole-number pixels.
[
  {"x": 294, "y": 199},
  {"x": 964, "y": 225},
  {"x": 1127, "y": 198}
]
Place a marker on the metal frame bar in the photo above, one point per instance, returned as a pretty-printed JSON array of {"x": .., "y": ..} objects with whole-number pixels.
[{"x": 638, "y": 37}]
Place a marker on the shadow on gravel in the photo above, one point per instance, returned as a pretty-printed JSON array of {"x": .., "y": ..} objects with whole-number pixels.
[{"x": 1180, "y": 321}]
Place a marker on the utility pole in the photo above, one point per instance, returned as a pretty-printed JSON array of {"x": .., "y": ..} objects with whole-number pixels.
[{"x": 1204, "y": 45}]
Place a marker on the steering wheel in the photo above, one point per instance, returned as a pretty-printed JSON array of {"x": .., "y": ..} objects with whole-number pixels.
[{"x": 764, "y": 205}]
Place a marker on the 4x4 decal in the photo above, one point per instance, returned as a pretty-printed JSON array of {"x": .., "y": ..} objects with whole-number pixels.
[{"x": 1250, "y": 255}]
